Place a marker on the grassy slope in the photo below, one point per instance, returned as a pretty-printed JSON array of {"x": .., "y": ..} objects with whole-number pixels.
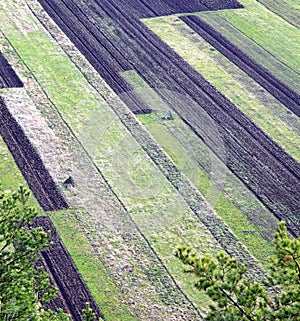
[
  {"x": 79, "y": 247},
  {"x": 268, "y": 30},
  {"x": 273, "y": 117},
  {"x": 78, "y": 104},
  {"x": 187, "y": 162}
]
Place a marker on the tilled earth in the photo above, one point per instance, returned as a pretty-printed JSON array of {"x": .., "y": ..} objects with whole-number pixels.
[
  {"x": 73, "y": 292},
  {"x": 8, "y": 77},
  {"x": 114, "y": 41}
]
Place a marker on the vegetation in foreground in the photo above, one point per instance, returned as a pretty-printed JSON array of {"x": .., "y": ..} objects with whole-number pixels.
[
  {"x": 24, "y": 289},
  {"x": 236, "y": 296}
]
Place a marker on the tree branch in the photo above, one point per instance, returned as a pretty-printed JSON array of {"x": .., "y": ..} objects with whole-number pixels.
[{"x": 236, "y": 304}]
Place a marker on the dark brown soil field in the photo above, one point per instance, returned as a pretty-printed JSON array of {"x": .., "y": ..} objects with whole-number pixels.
[
  {"x": 8, "y": 78},
  {"x": 73, "y": 292},
  {"x": 29, "y": 162},
  {"x": 155, "y": 8},
  {"x": 262, "y": 165}
]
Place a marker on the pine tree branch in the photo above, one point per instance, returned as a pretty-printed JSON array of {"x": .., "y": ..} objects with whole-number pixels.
[{"x": 236, "y": 304}]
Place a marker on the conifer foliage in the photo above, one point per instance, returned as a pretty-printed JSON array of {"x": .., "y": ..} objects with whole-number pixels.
[{"x": 238, "y": 298}]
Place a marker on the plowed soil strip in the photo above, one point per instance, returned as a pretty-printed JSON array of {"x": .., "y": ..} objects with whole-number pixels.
[
  {"x": 93, "y": 45},
  {"x": 31, "y": 166},
  {"x": 261, "y": 75},
  {"x": 155, "y": 8},
  {"x": 8, "y": 77},
  {"x": 59, "y": 263},
  {"x": 256, "y": 159}
]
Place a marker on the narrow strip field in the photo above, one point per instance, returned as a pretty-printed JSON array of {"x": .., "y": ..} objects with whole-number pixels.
[
  {"x": 88, "y": 142},
  {"x": 145, "y": 9},
  {"x": 103, "y": 85},
  {"x": 65, "y": 274},
  {"x": 262, "y": 76},
  {"x": 29, "y": 162},
  {"x": 269, "y": 181},
  {"x": 8, "y": 77},
  {"x": 134, "y": 232}
]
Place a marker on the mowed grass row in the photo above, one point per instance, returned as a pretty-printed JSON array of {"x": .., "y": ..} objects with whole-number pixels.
[
  {"x": 266, "y": 29},
  {"x": 161, "y": 214},
  {"x": 273, "y": 117},
  {"x": 97, "y": 278},
  {"x": 289, "y": 10},
  {"x": 193, "y": 158}
]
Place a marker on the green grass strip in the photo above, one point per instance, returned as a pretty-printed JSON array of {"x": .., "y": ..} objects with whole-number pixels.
[
  {"x": 178, "y": 153},
  {"x": 94, "y": 274},
  {"x": 268, "y": 30},
  {"x": 275, "y": 120},
  {"x": 101, "y": 285},
  {"x": 235, "y": 219}
]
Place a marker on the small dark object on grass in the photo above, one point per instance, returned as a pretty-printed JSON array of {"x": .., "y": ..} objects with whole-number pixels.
[
  {"x": 249, "y": 232},
  {"x": 69, "y": 182},
  {"x": 168, "y": 116}
]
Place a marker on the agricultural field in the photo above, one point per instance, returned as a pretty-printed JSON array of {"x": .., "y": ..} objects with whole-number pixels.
[{"x": 141, "y": 126}]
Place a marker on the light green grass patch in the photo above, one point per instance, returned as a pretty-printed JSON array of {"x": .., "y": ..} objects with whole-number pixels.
[
  {"x": 155, "y": 206},
  {"x": 235, "y": 219},
  {"x": 240, "y": 225}
]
